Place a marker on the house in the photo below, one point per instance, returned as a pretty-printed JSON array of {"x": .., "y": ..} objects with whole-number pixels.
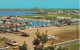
[
  {"x": 61, "y": 18},
  {"x": 35, "y": 8}
]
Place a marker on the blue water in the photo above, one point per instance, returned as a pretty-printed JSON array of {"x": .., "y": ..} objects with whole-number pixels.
[
  {"x": 34, "y": 23},
  {"x": 23, "y": 13},
  {"x": 18, "y": 13}
]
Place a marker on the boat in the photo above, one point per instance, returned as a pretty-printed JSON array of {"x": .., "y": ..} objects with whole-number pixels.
[
  {"x": 29, "y": 27},
  {"x": 43, "y": 26},
  {"x": 37, "y": 26},
  {"x": 47, "y": 25},
  {"x": 30, "y": 23},
  {"x": 33, "y": 26}
]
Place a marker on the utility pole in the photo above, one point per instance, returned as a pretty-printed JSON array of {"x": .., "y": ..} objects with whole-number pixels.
[
  {"x": 77, "y": 30},
  {"x": 16, "y": 23}
]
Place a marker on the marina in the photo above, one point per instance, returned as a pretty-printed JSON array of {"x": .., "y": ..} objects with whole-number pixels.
[{"x": 17, "y": 23}]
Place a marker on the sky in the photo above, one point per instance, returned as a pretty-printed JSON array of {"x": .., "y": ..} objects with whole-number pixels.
[{"x": 29, "y": 4}]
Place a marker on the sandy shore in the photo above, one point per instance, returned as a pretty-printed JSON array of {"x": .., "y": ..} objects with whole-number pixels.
[{"x": 64, "y": 33}]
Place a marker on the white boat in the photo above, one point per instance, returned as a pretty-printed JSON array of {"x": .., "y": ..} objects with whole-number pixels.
[
  {"x": 30, "y": 23},
  {"x": 8, "y": 30},
  {"x": 48, "y": 25},
  {"x": 29, "y": 27},
  {"x": 37, "y": 26},
  {"x": 43, "y": 26},
  {"x": 33, "y": 26}
]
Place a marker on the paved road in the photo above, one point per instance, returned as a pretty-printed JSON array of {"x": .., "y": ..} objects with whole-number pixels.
[{"x": 67, "y": 42}]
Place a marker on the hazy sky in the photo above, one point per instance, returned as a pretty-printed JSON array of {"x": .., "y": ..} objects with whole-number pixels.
[{"x": 39, "y": 3}]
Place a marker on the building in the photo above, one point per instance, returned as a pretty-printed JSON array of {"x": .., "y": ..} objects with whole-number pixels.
[
  {"x": 35, "y": 8},
  {"x": 61, "y": 18}
]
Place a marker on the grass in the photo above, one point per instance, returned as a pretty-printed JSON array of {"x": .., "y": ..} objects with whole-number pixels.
[
  {"x": 3, "y": 41},
  {"x": 51, "y": 16},
  {"x": 64, "y": 35},
  {"x": 73, "y": 47},
  {"x": 2, "y": 44}
]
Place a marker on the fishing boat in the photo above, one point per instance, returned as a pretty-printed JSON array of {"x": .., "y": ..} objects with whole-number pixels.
[
  {"x": 30, "y": 23},
  {"x": 48, "y": 25},
  {"x": 29, "y": 27},
  {"x": 37, "y": 26},
  {"x": 43, "y": 26}
]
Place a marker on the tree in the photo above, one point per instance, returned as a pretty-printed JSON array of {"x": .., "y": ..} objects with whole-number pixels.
[
  {"x": 36, "y": 42},
  {"x": 41, "y": 39},
  {"x": 60, "y": 48},
  {"x": 23, "y": 47},
  {"x": 52, "y": 47}
]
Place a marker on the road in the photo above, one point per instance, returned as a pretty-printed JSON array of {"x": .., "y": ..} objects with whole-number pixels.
[{"x": 67, "y": 43}]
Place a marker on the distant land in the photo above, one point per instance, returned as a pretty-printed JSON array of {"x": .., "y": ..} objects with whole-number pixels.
[{"x": 36, "y": 9}]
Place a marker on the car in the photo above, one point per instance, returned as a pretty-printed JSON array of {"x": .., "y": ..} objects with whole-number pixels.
[
  {"x": 51, "y": 38},
  {"x": 12, "y": 42},
  {"x": 4, "y": 47},
  {"x": 25, "y": 34}
]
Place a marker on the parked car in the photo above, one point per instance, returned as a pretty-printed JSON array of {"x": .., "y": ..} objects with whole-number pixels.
[
  {"x": 12, "y": 42},
  {"x": 25, "y": 34},
  {"x": 4, "y": 47},
  {"x": 51, "y": 37}
]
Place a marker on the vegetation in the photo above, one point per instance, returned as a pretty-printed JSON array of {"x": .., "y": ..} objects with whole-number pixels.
[
  {"x": 74, "y": 46},
  {"x": 19, "y": 9},
  {"x": 50, "y": 16},
  {"x": 37, "y": 9},
  {"x": 40, "y": 40},
  {"x": 23, "y": 47},
  {"x": 2, "y": 44},
  {"x": 44, "y": 15},
  {"x": 52, "y": 47},
  {"x": 3, "y": 40},
  {"x": 70, "y": 47}
]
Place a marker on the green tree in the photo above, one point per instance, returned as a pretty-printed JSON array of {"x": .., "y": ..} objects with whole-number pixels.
[
  {"x": 36, "y": 42},
  {"x": 60, "y": 48},
  {"x": 41, "y": 39},
  {"x": 23, "y": 47},
  {"x": 52, "y": 47}
]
